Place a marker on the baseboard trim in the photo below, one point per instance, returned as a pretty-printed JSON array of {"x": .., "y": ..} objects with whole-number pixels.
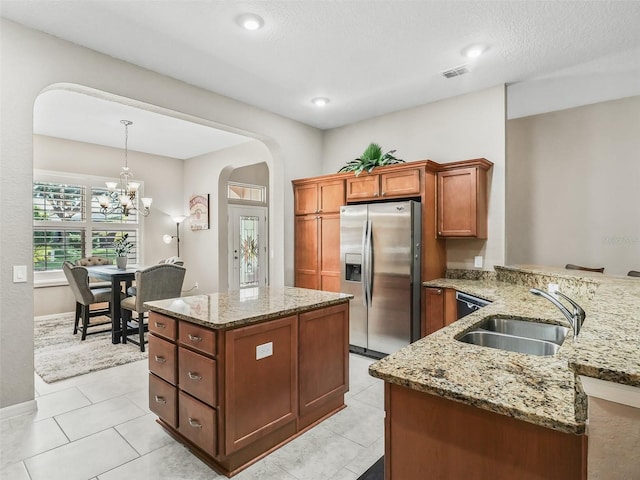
[{"x": 18, "y": 409}]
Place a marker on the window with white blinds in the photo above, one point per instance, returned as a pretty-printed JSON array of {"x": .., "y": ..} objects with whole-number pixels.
[{"x": 68, "y": 224}]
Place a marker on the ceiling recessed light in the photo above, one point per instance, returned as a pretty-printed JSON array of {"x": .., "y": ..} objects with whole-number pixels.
[
  {"x": 250, "y": 21},
  {"x": 320, "y": 101},
  {"x": 474, "y": 51}
]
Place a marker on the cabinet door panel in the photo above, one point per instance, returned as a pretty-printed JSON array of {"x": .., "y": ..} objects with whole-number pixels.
[
  {"x": 331, "y": 196},
  {"x": 362, "y": 187},
  {"x": 330, "y": 252},
  {"x": 305, "y": 198},
  {"x": 260, "y": 385},
  {"x": 402, "y": 183},
  {"x": 324, "y": 356},
  {"x": 434, "y": 304},
  {"x": 197, "y": 422},
  {"x": 197, "y": 376},
  {"x": 457, "y": 203},
  {"x": 306, "y": 252},
  {"x": 163, "y": 400}
]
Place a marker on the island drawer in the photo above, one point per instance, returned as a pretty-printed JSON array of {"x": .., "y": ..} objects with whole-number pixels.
[
  {"x": 162, "y": 358},
  {"x": 197, "y": 376},
  {"x": 163, "y": 399},
  {"x": 162, "y": 325},
  {"x": 197, "y": 422},
  {"x": 197, "y": 337}
]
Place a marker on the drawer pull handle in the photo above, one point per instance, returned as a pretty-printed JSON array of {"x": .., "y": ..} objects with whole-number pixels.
[
  {"x": 195, "y": 338},
  {"x": 194, "y": 423},
  {"x": 160, "y": 399},
  {"x": 160, "y": 325},
  {"x": 194, "y": 376},
  {"x": 160, "y": 359}
]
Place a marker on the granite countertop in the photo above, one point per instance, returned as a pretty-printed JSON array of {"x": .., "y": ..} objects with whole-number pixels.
[
  {"x": 541, "y": 390},
  {"x": 243, "y": 307}
]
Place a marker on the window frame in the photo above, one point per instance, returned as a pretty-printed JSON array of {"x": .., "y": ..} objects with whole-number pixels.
[{"x": 53, "y": 277}]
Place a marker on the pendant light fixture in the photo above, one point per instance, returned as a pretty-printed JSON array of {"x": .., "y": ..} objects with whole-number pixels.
[{"x": 122, "y": 197}]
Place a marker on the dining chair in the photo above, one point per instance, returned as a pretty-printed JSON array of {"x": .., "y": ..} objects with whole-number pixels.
[
  {"x": 157, "y": 282},
  {"x": 132, "y": 291},
  {"x": 570, "y": 266},
  {"x": 78, "y": 278},
  {"x": 90, "y": 262}
]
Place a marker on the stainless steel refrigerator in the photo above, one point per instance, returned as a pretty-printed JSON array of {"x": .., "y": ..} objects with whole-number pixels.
[{"x": 380, "y": 266}]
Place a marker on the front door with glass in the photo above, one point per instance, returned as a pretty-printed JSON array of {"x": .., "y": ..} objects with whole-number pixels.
[{"x": 247, "y": 247}]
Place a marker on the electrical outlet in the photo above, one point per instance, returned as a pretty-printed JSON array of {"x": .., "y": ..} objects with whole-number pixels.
[
  {"x": 263, "y": 351},
  {"x": 552, "y": 288},
  {"x": 477, "y": 261}
]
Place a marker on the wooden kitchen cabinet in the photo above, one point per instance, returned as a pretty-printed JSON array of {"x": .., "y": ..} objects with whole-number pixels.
[
  {"x": 317, "y": 233},
  {"x": 260, "y": 387},
  {"x": 402, "y": 182},
  {"x": 462, "y": 199},
  {"x": 318, "y": 197},
  {"x": 440, "y": 309},
  {"x": 317, "y": 247},
  {"x": 324, "y": 362},
  {"x": 232, "y": 395},
  {"x": 469, "y": 442}
]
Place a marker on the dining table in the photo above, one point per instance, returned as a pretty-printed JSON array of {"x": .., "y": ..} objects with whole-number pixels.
[{"x": 117, "y": 277}]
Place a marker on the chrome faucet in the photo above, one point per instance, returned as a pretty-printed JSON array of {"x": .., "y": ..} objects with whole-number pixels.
[{"x": 576, "y": 319}]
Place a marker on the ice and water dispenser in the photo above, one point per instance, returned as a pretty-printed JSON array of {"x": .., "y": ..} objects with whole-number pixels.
[{"x": 353, "y": 267}]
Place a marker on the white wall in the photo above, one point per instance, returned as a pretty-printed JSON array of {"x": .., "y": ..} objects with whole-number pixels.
[
  {"x": 162, "y": 177},
  {"x": 205, "y": 251},
  {"x": 32, "y": 61},
  {"x": 459, "y": 128},
  {"x": 572, "y": 187}
]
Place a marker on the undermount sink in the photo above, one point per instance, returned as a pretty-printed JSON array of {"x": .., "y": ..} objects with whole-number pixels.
[
  {"x": 524, "y": 328},
  {"x": 514, "y": 335}
]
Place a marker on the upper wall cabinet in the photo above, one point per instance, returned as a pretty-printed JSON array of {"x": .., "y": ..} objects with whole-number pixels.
[
  {"x": 403, "y": 182},
  {"x": 319, "y": 197},
  {"x": 462, "y": 199}
]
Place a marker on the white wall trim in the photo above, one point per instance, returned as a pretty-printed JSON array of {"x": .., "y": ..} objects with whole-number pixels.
[
  {"x": 18, "y": 409},
  {"x": 613, "y": 392}
]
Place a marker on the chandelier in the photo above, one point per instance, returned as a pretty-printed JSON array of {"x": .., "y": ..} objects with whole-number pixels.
[{"x": 122, "y": 196}]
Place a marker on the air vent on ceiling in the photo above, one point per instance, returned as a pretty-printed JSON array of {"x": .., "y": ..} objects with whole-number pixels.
[{"x": 455, "y": 72}]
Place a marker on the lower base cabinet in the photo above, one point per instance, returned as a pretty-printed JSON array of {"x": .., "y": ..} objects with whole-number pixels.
[
  {"x": 234, "y": 395},
  {"x": 427, "y": 436}
]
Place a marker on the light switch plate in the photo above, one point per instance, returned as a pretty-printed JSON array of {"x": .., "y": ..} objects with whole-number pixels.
[
  {"x": 264, "y": 350},
  {"x": 477, "y": 261},
  {"x": 19, "y": 273}
]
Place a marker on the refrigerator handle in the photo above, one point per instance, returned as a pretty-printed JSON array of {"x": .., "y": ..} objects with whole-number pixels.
[
  {"x": 363, "y": 273},
  {"x": 369, "y": 257}
]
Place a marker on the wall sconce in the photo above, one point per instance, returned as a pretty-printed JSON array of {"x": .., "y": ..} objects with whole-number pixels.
[{"x": 167, "y": 238}]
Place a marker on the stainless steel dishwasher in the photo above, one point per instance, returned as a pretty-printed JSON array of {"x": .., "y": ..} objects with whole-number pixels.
[{"x": 468, "y": 304}]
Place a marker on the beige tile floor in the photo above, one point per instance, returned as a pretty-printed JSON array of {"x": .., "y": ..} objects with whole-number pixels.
[{"x": 98, "y": 427}]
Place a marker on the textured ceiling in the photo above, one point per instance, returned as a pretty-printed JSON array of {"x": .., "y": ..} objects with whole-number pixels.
[{"x": 368, "y": 57}]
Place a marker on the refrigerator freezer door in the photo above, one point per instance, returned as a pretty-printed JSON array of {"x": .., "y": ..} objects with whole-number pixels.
[
  {"x": 353, "y": 219},
  {"x": 392, "y": 257}
]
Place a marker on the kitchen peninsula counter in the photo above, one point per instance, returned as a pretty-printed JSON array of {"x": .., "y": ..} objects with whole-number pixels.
[
  {"x": 540, "y": 390},
  {"x": 234, "y": 376},
  {"x": 490, "y": 413}
]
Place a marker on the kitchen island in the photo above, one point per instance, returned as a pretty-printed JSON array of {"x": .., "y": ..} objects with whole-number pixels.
[
  {"x": 233, "y": 376},
  {"x": 488, "y": 413}
]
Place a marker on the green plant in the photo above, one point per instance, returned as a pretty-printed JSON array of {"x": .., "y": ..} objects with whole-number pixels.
[
  {"x": 123, "y": 246},
  {"x": 371, "y": 158}
]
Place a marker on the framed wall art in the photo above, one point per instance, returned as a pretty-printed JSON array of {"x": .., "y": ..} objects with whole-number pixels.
[{"x": 199, "y": 212}]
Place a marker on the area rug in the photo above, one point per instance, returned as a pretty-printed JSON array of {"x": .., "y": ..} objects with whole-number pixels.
[
  {"x": 59, "y": 354},
  {"x": 375, "y": 472}
]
